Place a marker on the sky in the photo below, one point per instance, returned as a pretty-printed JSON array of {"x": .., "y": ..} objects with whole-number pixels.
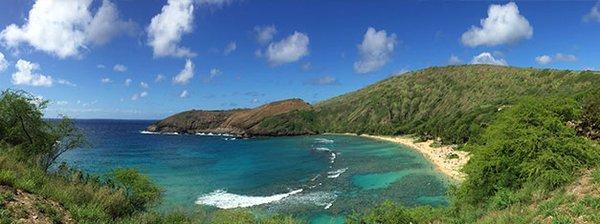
[{"x": 148, "y": 59}]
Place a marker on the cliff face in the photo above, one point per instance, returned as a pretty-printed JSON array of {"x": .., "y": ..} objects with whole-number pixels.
[{"x": 241, "y": 122}]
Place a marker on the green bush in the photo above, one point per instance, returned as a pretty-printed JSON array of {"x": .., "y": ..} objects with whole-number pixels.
[
  {"x": 528, "y": 143},
  {"x": 140, "y": 191},
  {"x": 387, "y": 212}
]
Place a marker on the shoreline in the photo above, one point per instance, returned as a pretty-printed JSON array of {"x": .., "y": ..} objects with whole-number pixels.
[{"x": 436, "y": 155}]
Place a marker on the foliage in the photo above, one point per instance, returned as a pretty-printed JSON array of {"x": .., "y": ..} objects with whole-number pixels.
[
  {"x": 138, "y": 188},
  {"x": 454, "y": 103},
  {"x": 387, "y": 212},
  {"x": 528, "y": 143},
  {"x": 22, "y": 125}
]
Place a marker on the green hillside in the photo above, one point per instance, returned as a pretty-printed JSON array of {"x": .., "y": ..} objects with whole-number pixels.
[{"x": 453, "y": 103}]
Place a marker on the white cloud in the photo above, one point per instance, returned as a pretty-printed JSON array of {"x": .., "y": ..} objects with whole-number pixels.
[
  {"x": 543, "y": 59},
  {"x": 230, "y": 48},
  {"x": 3, "y": 62},
  {"x": 375, "y": 50},
  {"x": 144, "y": 85},
  {"x": 594, "y": 14},
  {"x": 139, "y": 95},
  {"x": 288, "y": 50},
  {"x": 66, "y": 82},
  {"x": 503, "y": 25},
  {"x": 488, "y": 59},
  {"x": 25, "y": 75},
  {"x": 120, "y": 68},
  {"x": 101, "y": 66},
  {"x": 454, "y": 60},
  {"x": 159, "y": 78},
  {"x": 64, "y": 28},
  {"x": 105, "y": 80},
  {"x": 128, "y": 82},
  {"x": 264, "y": 34},
  {"x": 186, "y": 74},
  {"x": 323, "y": 81},
  {"x": 165, "y": 29},
  {"x": 106, "y": 24},
  {"x": 558, "y": 57},
  {"x": 184, "y": 94}
]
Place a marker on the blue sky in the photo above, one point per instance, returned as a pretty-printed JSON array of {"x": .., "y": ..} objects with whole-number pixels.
[{"x": 221, "y": 54}]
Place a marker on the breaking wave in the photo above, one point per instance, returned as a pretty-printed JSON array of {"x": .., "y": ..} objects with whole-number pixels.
[
  {"x": 224, "y": 200},
  {"x": 336, "y": 173},
  {"x": 323, "y": 140}
]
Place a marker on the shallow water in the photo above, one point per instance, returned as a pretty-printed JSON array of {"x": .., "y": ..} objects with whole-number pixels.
[{"x": 316, "y": 177}]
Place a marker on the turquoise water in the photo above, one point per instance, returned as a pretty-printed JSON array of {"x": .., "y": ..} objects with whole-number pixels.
[{"x": 319, "y": 178}]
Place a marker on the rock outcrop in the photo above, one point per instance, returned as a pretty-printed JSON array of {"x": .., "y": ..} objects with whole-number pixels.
[{"x": 241, "y": 122}]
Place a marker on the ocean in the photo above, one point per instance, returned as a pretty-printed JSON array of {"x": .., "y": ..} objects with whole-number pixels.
[{"x": 319, "y": 178}]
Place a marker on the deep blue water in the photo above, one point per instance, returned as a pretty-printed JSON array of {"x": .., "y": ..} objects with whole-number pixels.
[{"x": 316, "y": 177}]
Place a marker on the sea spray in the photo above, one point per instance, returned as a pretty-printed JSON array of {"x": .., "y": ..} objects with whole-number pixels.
[
  {"x": 336, "y": 173},
  {"x": 224, "y": 200}
]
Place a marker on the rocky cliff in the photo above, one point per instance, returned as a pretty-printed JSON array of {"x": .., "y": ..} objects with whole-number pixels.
[{"x": 242, "y": 122}]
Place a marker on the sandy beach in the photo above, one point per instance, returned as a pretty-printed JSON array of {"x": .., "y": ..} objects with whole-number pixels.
[{"x": 437, "y": 155}]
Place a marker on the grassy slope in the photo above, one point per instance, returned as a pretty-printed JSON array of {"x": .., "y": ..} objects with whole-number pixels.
[{"x": 453, "y": 103}]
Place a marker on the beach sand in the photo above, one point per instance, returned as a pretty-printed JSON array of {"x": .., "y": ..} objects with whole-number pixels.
[{"x": 437, "y": 155}]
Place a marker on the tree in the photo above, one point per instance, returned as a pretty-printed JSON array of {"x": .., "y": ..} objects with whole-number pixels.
[{"x": 37, "y": 139}]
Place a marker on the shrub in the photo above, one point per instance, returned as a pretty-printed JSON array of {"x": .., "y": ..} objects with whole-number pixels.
[
  {"x": 528, "y": 143},
  {"x": 387, "y": 212}
]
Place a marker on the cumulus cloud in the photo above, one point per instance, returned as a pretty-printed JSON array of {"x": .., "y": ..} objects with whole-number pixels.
[
  {"x": 454, "y": 60},
  {"x": 105, "y": 80},
  {"x": 264, "y": 34},
  {"x": 558, "y": 57},
  {"x": 594, "y": 14},
  {"x": 120, "y": 68},
  {"x": 375, "y": 50},
  {"x": 184, "y": 94},
  {"x": 323, "y": 81},
  {"x": 488, "y": 59},
  {"x": 144, "y": 85},
  {"x": 186, "y": 74},
  {"x": 543, "y": 59},
  {"x": 212, "y": 74},
  {"x": 64, "y": 28},
  {"x": 3, "y": 62},
  {"x": 128, "y": 82},
  {"x": 231, "y": 47},
  {"x": 288, "y": 50},
  {"x": 25, "y": 75},
  {"x": 159, "y": 78},
  {"x": 106, "y": 24},
  {"x": 167, "y": 28},
  {"x": 503, "y": 25}
]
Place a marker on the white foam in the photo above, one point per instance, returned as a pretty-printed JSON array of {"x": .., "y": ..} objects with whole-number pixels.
[
  {"x": 328, "y": 205},
  {"x": 158, "y": 133},
  {"x": 149, "y": 132},
  {"x": 319, "y": 198},
  {"x": 333, "y": 156},
  {"x": 323, "y": 149},
  {"x": 323, "y": 140},
  {"x": 222, "y": 199},
  {"x": 200, "y": 133},
  {"x": 336, "y": 173}
]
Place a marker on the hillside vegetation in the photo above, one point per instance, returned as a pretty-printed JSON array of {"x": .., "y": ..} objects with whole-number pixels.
[
  {"x": 241, "y": 122},
  {"x": 453, "y": 103}
]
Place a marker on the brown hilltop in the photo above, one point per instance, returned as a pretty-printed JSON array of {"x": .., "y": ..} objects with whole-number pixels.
[{"x": 238, "y": 121}]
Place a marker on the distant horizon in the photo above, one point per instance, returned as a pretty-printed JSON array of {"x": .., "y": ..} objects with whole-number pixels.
[{"x": 103, "y": 59}]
